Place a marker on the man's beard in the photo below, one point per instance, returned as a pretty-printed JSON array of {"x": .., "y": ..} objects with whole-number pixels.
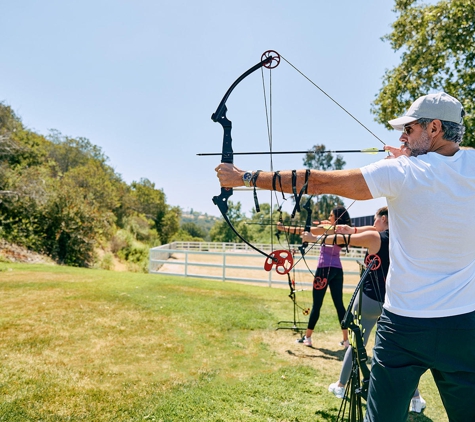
[{"x": 421, "y": 146}]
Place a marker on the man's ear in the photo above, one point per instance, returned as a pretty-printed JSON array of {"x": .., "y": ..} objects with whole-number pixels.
[{"x": 436, "y": 126}]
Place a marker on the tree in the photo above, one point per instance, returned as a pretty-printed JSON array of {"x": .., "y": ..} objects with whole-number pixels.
[
  {"x": 19, "y": 146},
  {"x": 151, "y": 202},
  {"x": 22, "y": 212},
  {"x": 73, "y": 152},
  {"x": 170, "y": 224},
  {"x": 193, "y": 230},
  {"x": 261, "y": 227},
  {"x": 323, "y": 162},
  {"x": 438, "y": 54},
  {"x": 221, "y": 232},
  {"x": 59, "y": 196},
  {"x": 73, "y": 225}
]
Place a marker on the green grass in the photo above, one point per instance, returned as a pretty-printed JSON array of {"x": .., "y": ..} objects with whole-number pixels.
[{"x": 92, "y": 345}]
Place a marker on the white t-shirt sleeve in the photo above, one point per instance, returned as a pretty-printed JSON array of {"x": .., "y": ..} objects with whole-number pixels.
[{"x": 386, "y": 178}]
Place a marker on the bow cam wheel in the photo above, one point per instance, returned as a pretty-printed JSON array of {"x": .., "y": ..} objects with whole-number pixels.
[
  {"x": 283, "y": 261},
  {"x": 319, "y": 283},
  {"x": 275, "y": 59},
  {"x": 377, "y": 261}
]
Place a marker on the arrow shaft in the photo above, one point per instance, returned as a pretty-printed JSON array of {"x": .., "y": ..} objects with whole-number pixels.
[{"x": 342, "y": 151}]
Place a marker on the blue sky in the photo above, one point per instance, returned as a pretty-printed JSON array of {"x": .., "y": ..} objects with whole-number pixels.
[{"x": 141, "y": 79}]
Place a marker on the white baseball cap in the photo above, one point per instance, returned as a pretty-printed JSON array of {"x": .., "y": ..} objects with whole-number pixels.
[{"x": 440, "y": 106}]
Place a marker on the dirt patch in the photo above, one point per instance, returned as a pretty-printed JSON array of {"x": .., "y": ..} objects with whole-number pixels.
[
  {"x": 326, "y": 355},
  {"x": 108, "y": 261},
  {"x": 14, "y": 253}
]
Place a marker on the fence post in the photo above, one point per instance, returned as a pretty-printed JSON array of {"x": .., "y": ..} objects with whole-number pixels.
[
  {"x": 186, "y": 263},
  {"x": 224, "y": 265}
]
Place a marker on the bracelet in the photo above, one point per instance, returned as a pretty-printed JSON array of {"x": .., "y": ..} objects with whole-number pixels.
[
  {"x": 356, "y": 231},
  {"x": 254, "y": 177}
]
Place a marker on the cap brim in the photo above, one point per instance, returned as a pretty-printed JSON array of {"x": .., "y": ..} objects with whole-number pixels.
[{"x": 399, "y": 123}]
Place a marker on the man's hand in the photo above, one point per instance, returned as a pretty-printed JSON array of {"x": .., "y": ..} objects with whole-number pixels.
[
  {"x": 397, "y": 152},
  {"x": 229, "y": 175}
]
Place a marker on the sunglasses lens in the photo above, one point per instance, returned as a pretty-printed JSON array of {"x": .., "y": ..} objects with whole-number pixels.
[{"x": 407, "y": 129}]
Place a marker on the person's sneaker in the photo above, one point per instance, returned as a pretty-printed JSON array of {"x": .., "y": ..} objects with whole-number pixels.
[
  {"x": 337, "y": 391},
  {"x": 417, "y": 404},
  {"x": 305, "y": 340}
]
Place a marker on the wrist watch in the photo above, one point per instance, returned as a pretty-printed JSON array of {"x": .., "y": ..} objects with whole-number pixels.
[{"x": 246, "y": 178}]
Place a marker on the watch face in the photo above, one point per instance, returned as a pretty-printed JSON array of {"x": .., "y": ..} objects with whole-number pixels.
[{"x": 246, "y": 178}]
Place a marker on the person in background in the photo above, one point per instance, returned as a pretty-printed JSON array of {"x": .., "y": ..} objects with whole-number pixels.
[{"x": 329, "y": 273}]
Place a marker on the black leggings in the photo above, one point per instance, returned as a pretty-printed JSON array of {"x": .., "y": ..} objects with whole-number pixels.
[{"x": 324, "y": 277}]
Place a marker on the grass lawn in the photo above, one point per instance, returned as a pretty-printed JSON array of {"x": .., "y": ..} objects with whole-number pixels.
[{"x": 91, "y": 345}]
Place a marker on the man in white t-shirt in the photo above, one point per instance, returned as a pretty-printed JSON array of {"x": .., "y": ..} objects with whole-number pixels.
[{"x": 428, "y": 320}]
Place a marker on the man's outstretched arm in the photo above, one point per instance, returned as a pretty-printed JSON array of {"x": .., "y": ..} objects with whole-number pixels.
[{"x": 347, "y": 183}]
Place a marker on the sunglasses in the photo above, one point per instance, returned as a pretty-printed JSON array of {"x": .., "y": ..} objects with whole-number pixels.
[{"x": 407, "y": 129}]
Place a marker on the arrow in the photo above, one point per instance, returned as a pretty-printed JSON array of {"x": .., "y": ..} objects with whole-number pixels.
[{"x": 342, "y": 151}]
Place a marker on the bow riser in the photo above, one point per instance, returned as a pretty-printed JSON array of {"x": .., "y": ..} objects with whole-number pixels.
[{"x": 219, "y": 116}]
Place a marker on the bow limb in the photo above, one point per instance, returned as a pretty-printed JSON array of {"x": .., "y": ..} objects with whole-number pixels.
[
  {"x": 219, "y": 116},
  {"x": 281, "y": 259},
  {"x": 308, "y": 223}
]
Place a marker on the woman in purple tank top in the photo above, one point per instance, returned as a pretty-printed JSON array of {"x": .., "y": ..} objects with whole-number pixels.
[{"x": 329, "y": 274}]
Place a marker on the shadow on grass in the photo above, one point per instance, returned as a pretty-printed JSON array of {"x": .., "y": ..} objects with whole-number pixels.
[
  {"x": 325, "y": 354},
  {"x": 332, "y": 354},
  {"x": 418, "y": 417},
  {"x": 324, "y": 415}
]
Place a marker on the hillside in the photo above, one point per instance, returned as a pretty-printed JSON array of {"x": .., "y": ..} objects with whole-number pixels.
[{"x": 14, "y": 253}]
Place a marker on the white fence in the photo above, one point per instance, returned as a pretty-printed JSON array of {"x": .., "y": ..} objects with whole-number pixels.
[{"x": 225, "y": 261}]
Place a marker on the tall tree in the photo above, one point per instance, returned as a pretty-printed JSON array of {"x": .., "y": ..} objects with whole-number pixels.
[
  {"x": 438, "y": 54},
  {"x": 69, "y": 153},
  {"x": 151, "y": 202},
  {"x": 19, "y": 146},
  {"x": 324, "y": 161},
  {"x": 193, "y": 230}
]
